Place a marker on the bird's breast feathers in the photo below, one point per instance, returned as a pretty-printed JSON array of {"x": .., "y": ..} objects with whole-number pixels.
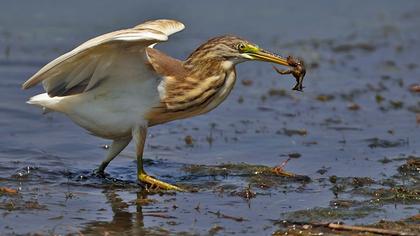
[{"x": 189, "y": 97}]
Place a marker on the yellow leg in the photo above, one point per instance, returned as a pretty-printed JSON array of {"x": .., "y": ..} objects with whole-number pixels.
[
  {"x": 157, "y": 184},
  {"x": 139, "y": 136}
]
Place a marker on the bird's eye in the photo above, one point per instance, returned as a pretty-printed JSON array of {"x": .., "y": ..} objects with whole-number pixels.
[{"x": 241, "y": 46}]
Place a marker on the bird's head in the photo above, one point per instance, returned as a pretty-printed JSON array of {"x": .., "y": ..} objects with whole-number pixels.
[{"x": 233, "y": 49}]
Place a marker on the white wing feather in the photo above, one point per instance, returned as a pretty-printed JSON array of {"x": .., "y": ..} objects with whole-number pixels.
[{"x": 85, "y": 66}]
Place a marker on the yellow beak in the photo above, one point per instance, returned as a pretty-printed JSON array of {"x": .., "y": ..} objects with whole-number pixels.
[{"x": 262, "y": 55}]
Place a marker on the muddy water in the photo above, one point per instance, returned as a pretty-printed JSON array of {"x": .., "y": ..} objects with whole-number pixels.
[{"x": 354, "y": 126}]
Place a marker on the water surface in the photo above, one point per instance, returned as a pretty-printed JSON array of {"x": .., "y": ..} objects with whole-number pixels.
[{"x": 363, "y": 53}]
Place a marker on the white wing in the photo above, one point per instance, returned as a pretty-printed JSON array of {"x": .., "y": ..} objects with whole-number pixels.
[{"x": 84, "y": 67}]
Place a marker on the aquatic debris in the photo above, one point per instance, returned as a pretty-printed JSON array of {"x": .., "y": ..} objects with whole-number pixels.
[
  {"x": 322, "y": 171},
  {"x": 361, "y": 181},
  {"x": 215, "y": 229},
  {"x": 261, "y": 108},
  {"x": 279, "y": 170},
  {"x": 385, "y": 191},
  {"x": 385, "y": 160},
  {"x": 337, "y": 188},
  {"x": 333, "y": 179},
  {"x": 247, "y": 193},
  {"x": 210, "y": 138},
  {"x": 341, "y": 128},
  {"x": 224, "y": 216},
  {"x": 324, "y": 97},
  {"x": 8, "y": 191},
  {"x": 159, "y": 215},
  {"x": 408, "y": 226},
  {"x": 34, "y": 204},
  {"x": 396, "y": 104},
  {"x": 291, "y": 132},
  {"x": 247, "y": 82},
  {"x": 18, "y": 204},
  {"x": 189, "y": 141},
  {"x": 411, "y": 167},
  {"x": 278, "y": 92},
  {"x": 382, "y": 143},
  {"x": 343, "y": 203},
  {"x": 340, "y": 184},
  {"x": 260, "y": 176},
  {"x": 414, "y": 88},
  {"x": 396, "y": 194},
  {"x": 294, "y": 155},
  {"x": 68, "y": 195},
  {"x": 329, "y": 213},
  {"x": 398, "y": 228},
  {"x": 309, "y": 143},
  {"x": 379, "y": 98},
  {"x": 365, "y": 229},
  {"x": 60, "y": 217},
  {"x": 197, "y": 208},
  {"x": 353, "y": 106},
  {"x": 353, "y": 181}
]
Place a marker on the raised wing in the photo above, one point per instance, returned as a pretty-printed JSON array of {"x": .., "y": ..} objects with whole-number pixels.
[{"x": 85, "y": 66}]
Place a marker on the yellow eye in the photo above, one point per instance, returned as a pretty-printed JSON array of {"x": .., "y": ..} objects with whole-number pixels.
[{"x": 241, "y": 46}]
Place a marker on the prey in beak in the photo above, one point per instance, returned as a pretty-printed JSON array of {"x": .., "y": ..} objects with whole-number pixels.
[
  {"x": 296, "y": 66},
  {"x": 298, "y": 71}
]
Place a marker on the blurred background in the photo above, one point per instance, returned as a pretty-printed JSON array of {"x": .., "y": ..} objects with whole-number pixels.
[{"x": 358, "y": 117}]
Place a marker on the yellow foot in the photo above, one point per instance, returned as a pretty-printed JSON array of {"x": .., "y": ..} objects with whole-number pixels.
[{"x": 157, "y": 184}]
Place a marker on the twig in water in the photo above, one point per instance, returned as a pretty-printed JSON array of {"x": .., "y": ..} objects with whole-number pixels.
[
  {"x": 367, "y": 229},
  {"x": 339, "y": 226},
  {"x": 279, "y": 169},
  {"x": 159, "y": 215},
  {"x": 221, "y": 215}
]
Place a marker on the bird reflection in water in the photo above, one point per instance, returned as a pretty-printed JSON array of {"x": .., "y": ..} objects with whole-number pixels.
[{"x": 123, "y": 220}]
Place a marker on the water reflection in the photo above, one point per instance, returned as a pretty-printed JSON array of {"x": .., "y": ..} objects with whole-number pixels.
[{"x": 122, "y": 220}]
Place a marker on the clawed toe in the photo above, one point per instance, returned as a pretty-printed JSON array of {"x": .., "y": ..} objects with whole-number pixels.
[{"x": 155, "y": 184}]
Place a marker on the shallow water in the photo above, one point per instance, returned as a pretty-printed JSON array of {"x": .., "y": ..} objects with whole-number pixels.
[{"x": 359, "y": 53}]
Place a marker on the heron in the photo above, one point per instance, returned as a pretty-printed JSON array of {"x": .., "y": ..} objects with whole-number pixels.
[{"x": 117, "y": 85}]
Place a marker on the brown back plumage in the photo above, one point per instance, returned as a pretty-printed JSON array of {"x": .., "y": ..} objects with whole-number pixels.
[{"x": 165, "y": 65}]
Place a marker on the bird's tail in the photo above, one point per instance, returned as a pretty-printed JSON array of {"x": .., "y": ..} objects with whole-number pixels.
[{"x": 44, "y": 101}]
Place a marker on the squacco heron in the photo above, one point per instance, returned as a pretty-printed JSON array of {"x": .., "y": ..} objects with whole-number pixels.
[{"x": 117, "y": 85}]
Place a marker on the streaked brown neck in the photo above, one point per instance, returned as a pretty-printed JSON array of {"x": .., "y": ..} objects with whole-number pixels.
[{"x": 189, "y": 88}]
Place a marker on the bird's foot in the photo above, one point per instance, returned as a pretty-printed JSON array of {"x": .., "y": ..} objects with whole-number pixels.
[
  {"x": 99, "y": 173},
  {"x": 157, "y": 184}
]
